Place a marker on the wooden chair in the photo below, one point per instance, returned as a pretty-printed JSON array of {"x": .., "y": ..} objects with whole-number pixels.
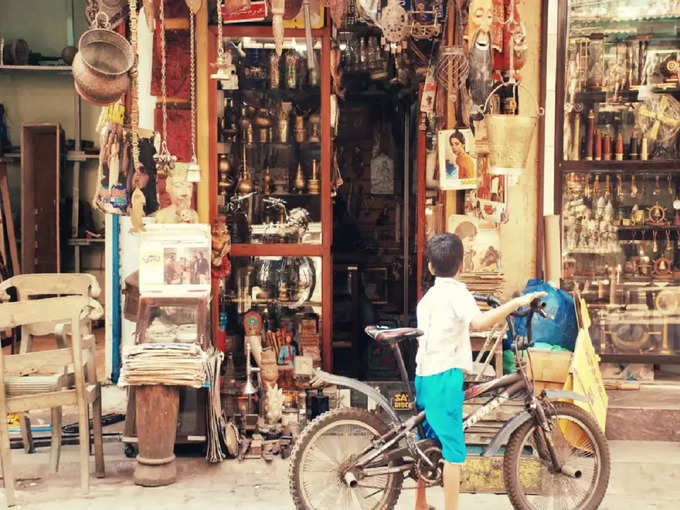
[
  {"x": 85, "y": 390},
  {"x": 30, "y": 286}
]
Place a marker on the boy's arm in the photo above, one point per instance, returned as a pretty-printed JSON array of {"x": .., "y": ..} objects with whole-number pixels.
[{"x": 488, "y": 319}]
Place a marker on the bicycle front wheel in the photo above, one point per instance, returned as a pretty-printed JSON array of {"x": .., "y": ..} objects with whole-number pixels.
[
  {"x": 322, "y": 454},
  {"x": 580, "y": 446}
]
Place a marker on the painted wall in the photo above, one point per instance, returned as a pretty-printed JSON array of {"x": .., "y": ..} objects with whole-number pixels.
[
  {"x": 42, "y": 96},
  {"x": 518, "y": 236}
]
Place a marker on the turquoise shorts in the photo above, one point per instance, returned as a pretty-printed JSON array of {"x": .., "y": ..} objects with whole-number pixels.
[{"x": 442, "y": 396}]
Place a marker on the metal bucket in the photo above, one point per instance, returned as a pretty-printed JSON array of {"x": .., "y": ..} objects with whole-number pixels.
[
  {"x": 509, "y": 139},
  {"x": 100, "y": 68},
  {"x": 509, "y": 136}
]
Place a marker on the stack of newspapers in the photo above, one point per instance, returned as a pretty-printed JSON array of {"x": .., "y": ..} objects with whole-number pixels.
[{"x": 171, "y": 364}]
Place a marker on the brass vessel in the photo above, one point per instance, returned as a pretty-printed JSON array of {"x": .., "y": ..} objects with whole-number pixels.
[
  {"x": 313, "y": 184},
  {"x": 299, "y": 180},
  {"x": 245, "y": 184},
  {"x": 299, "y": 128},
  {"x": 267, "y": 182}
]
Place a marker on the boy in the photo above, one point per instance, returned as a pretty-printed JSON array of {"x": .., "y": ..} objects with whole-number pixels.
[{"x": 446, "y": 314}]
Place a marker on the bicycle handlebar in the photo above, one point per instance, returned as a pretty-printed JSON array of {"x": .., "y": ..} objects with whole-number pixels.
[{"x": 536, "y": 306}]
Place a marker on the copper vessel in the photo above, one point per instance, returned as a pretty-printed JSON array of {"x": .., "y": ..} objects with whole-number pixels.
[{"x": 100, "y": 68}]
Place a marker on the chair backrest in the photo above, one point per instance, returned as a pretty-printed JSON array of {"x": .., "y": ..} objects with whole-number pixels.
[
  {"x": 46, "y": 284},
  {"x": 69, "y": 309},
  {"x": 58, "y": 309},
  {"x": 41, "y": 284}
]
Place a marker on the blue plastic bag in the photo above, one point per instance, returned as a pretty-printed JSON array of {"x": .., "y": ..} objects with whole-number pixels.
[{"x": 562, "y": 331}]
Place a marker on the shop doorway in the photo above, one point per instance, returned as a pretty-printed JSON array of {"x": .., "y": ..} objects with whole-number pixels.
[{"x": 374, "y": 277}]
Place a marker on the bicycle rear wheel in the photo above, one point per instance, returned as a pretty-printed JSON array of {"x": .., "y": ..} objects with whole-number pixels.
[{"x": 580, "y": 446}]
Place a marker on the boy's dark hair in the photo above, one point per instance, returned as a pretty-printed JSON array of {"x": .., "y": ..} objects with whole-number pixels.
[{"x": 445, "y": 254}]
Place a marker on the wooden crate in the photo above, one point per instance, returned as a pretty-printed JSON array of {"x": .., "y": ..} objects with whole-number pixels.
[{"x": 40, "y": 161}]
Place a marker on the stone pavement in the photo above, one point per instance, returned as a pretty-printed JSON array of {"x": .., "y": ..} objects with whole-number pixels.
[{"x": 645, "y": 475}]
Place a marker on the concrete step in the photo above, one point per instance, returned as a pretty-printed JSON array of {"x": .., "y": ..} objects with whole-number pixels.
[{"x": 651, "y": 413}]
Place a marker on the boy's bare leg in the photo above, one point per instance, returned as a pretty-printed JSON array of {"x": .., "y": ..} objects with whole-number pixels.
[
  {"x": 421, "y": 496},
  {"x": 451, "y": 485}
]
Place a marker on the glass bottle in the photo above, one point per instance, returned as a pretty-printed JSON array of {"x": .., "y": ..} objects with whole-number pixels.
[
  {"x": 274, "y": 74},
  {"x": 372, "y": 54}
]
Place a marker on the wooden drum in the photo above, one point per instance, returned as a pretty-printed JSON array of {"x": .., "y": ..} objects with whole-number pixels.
[{"x": 157, "y": 407}]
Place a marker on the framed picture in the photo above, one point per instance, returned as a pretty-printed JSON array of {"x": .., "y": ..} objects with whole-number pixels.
[
  {"x": 457, "y": 159},
  {"x": 174, "y": 260},
  {"x": 481, "y": 243}
]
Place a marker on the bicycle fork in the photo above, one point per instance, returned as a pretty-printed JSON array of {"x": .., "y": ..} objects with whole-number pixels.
[{"x": 545, "y": 435}]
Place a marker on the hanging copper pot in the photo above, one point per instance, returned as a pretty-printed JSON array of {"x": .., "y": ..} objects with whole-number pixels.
[{"x": 100, "y": 68}]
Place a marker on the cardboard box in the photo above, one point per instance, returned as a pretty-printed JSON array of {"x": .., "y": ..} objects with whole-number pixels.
[{"x": 550, "y": 369}]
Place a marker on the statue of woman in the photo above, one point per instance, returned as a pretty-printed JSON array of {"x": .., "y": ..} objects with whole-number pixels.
[{"x": 179, "y": 210}]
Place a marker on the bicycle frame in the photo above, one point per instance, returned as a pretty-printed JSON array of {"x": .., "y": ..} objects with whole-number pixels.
[{"x": 382, "y": 449}]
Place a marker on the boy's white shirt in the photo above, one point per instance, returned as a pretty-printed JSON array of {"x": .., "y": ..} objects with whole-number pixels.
[{"x": 444, "y": 315}]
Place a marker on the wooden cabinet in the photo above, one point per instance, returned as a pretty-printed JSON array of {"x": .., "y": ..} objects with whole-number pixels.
[
  {"x": 40, "y": 174},
  {"x": 279, "y": 270}
]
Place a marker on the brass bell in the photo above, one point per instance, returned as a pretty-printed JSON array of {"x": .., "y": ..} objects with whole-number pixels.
[{"x": 193, "y": 171}]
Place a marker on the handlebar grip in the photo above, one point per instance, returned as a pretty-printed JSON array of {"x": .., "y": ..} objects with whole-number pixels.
[{"x": 488, "y": 299}]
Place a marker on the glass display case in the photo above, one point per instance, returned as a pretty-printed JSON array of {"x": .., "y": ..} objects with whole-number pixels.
[
  {"x": 618, "y": 156},
  {"x": 269, "y": 138},
  {"x": 279, "y": 300},
  {"x": 271, "y": 147}
]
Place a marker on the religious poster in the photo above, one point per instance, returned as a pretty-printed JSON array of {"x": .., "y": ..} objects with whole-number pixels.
[{"x": 457, "y": 159}]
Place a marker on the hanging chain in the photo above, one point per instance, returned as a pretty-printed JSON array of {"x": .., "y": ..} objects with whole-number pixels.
[
  {"x": 192, "y": 21},
  {"x": 163, "y": 88},
  {"x": 164, "y": 160},
  {"x": 220, "y": 42},
  {"x": 134, "y": 106}
]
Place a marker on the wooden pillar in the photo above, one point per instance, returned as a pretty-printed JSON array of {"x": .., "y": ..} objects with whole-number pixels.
[{"x": 203, "y": 113}]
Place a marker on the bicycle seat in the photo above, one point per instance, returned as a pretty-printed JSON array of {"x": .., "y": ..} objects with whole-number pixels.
[{"x": 392, "y": 336}]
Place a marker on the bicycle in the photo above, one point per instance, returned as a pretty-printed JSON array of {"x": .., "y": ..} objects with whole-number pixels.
[{"x": 355, "y": 458}]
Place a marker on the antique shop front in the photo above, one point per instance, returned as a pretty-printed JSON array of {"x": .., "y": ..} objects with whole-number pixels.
[{"x": 263, "y": 178}]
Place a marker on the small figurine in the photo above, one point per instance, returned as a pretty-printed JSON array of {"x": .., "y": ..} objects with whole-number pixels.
[
  {"x": 137, "y": 211},
  {"x": 221, "y": 246},
  {"x": 288, "y": 351},
  {"x": 228, "y": 75}
]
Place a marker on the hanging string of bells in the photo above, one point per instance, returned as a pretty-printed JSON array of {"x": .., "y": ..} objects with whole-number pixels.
[
  {"x": 193, "y": 169},
  {"x": 221, "y": 64},
  {"x": 164, "y": 160}
]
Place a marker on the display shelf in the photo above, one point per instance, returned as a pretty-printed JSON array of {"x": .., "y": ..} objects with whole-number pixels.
[
  {"x": 626, "y": 166},
  {"x": 276, "y": 250},
  {"x": 54, "y": 69},
  {"x": 81, "y": 155},
  {"x": 84, "y": 241},
  {"x": 588, "y": 251},
  {"x": 590, "y": 21},
  {"x": 626, "y": 96},
  {"x": 70, "y": 155},
  {"x": 635, "y": 228}
]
